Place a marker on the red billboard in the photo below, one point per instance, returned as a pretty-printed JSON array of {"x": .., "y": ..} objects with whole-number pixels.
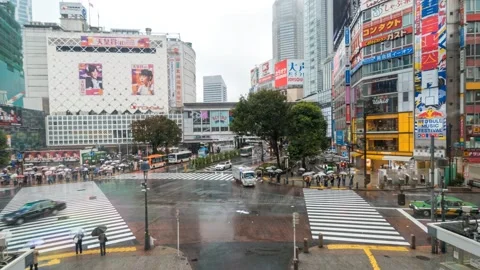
[
  {"x": 383, "y": 27},
  {"x": 391, "y": 36},
  {"x": 52, "y": 156},
  {"x": 281, "y": 79}
]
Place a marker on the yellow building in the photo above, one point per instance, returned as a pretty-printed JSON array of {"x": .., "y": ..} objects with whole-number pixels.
[{"x": 390, "y": 140}]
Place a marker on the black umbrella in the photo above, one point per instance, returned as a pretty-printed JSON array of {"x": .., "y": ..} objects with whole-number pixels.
[{"x": 99, "y": 230}]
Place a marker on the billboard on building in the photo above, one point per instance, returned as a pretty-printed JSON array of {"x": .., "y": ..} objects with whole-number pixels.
[
  {"x": 108, "y": 73},
  {"x": 374, "y": 29},
  {"x": 254, "y": 77},
  {"x": 118, "y": 42},
  {"x": 52, "y": 156},
  {"x": 171, "y": 81},
  {"x": 366, "y": 4},
  {"x": 142, "y": 80},
  {"x": 296, "y": 72},
  {"x": 219, "y": 118},
  {"x": 266, "y": 72},
  {"x": 281, "y": 74},
  {"x": 389, "y": 8},
  {"x": 430, "y": 69},
  {"x": 69, "y": 8},
  {"x": 10, "y": 116},
  {"x": 91, "y": 79}
]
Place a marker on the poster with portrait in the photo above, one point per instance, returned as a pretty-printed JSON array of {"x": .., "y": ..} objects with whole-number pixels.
[
  {"x": 91, "y": 80},
  {"x": 142, "y": 80},
  {"x": 10, "y": 116}
]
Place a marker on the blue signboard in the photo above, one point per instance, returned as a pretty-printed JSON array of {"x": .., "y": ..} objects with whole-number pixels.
[
  {"x": 389, "y": 55},
  {"x": 339, "y": 137},
  {"x": 345, "y": 154},
  {"x": 347, "y": 36},
  {"x": 347, "y": 76},
  {"x": 19, "y": 156}
]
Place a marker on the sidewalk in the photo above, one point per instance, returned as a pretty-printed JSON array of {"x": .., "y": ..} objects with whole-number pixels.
[
  {"x": 347, "y": 256},
  {"x": 159, "y": 257}
]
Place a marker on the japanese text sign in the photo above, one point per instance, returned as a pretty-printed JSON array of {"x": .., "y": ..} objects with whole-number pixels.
[{"x": 383, "y": 27}]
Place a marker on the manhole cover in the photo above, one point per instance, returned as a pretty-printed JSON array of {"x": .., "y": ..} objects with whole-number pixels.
[
  {"x": 423, "y": 258},
  {"x": 386, "y": 256}
]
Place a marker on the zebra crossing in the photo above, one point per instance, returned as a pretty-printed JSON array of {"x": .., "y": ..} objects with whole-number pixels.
[
  {"x": 344, "y": 216},
  {"x": 217, "y": 176},
  {"x": 87, "y": 208}
]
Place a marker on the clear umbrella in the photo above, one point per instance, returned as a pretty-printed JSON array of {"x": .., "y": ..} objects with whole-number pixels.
[
  {"x": 278, "y": 171},
  {"x": 330, "y": 172},
  {"x": 34, "y": 243},
  {"x": 343, "y": 173}
]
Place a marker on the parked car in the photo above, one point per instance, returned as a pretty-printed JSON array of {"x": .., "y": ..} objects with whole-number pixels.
[
  {"x": 453, "y": 206},
  {"x": 223, "y": 166},
  {"x": 34, "y": 210}
]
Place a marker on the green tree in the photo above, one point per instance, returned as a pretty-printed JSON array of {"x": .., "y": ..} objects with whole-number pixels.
[
  {"x": 4, "y": 153},
  {"x": 307, "y": 131},
  {"x": 262, "y": 114},
  {"x": 157, "y": 131}
]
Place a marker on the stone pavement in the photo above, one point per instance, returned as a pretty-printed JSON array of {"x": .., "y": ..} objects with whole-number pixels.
[
  {"x": 159, "y": 257},
  {"x": 333, "y": 257}
]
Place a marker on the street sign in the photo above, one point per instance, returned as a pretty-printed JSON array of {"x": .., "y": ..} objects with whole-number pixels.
[{"x": 19, "y": 156}]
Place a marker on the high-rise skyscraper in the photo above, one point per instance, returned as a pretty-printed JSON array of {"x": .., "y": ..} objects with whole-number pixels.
[
  {"x": 23, "y": 11},
  {"x": 214, "y": 89},
  {"x": 287, "y": 30}
]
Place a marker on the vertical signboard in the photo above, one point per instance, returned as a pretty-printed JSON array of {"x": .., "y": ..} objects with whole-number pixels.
[
  {"x": 178, "y": 82},
  {"x": 281, "y": 74},
  {"x": 430, "y": 69},
  {"x": 296, "y": 72},
  {"x": 254, "y": 77},
  {"x": 171, "y": 79},
  {"x": 463, "y": 20}
]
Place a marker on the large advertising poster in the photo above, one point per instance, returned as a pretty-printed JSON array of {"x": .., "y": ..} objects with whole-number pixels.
[
  {"x": 172, "y": 82},
  {"x": 296, "y": 72},
  {"x": 430, "y": 69},
  {"x": 281, "y": 74},
  {"x": 125, "y": 42},
  {"x": 266, "y": 72},
  {"x": 91, "y": 80},
  {"x": 219, "y": 118},
  {"x": 52, "y": 156},
  {"x": 142, "y": 80},
  {"x": 371, "y": 30},
  {"x": 253, "y": 77},
  {"x": 10, "y": 116}
]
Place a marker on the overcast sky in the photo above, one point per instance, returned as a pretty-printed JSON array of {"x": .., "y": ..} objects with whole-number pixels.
[{"x": 229, "y": 37}]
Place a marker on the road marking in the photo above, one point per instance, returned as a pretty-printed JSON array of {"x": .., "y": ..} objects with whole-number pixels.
[
  {"x": 412, "y": 219},
  {"x": 371, "y": 258},
  {"x": 49, "y": 263},
  {"x": 371, "y": 247},
  {"x": 85, "y": 252}
]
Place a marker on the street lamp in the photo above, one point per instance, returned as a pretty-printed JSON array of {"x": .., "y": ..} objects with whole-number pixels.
[{"x": 145, "y": 167}]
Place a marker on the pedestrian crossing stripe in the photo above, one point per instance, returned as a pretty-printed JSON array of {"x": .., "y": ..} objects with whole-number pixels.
[
  {"x": 343, "y": 216},
  {"x": 219, "y": 176},
  {"x": 82, "y": 212}
]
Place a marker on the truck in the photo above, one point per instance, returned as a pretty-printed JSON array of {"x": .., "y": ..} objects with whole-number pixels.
[{"x": 244, "y": 175}]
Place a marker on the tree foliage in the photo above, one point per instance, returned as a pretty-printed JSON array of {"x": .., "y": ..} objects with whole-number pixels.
[
  {"x": 157, "y": 131},
  {"x": 4, "y": 154},
  {"x": 263, "y": 114},
  {"x": 307, "y": 131}
]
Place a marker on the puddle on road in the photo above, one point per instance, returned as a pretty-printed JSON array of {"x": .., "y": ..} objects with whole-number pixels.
[{"x": 263, "y": 251}]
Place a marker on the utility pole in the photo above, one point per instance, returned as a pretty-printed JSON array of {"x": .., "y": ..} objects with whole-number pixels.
[
  {"x": 178, "y": 233},
  {"x": 295, "y": 222},
  {"x": 365, "y": 146},
  {"x": 432, "y": 198},
  {"x": 145, "y": 167}
]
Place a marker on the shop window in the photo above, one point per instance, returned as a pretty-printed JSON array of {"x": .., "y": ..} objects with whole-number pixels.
[
  {"x": 379, "y": 125},
  {"x": 383, "y": 145}
]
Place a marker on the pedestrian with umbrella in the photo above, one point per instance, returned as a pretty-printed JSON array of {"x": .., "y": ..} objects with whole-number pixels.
[
  {"x": 77, "y": 239},
  {"x": 32, "y": 244},
  {"x": 102, "y": 238}
]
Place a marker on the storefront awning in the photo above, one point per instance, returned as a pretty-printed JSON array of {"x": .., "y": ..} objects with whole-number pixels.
[
  {"x": 374, "y": 157},
  {"x": 397, "y": 158},
  {"x": 355, "y": 154}
]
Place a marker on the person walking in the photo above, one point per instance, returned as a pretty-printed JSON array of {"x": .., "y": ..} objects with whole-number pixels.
[
  {"x": 34, "y": 265},
  {"x": 102, "y": 238},
  {"x": 77, "y": 239}
]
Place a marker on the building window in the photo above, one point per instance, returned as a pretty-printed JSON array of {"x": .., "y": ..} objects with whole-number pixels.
[
  {"x": 407, "y": 19},
  {"x": 383, "y": 145},
  {"x": 405, "y": 96},
  {"x": 367, "y": 15},
  {"x": 379, "y": 125}
]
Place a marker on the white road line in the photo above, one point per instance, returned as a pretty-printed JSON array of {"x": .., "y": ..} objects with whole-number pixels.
[
  {"x": 366, "y": 241},
  {"x": 348, "y": 221},
  {"x": 324, "y": 229},
  {"x": 313, "y": 215},
  {"x": 316, "y": 224},
  {"x": 316, "y": 209},
  {"x": 412, "y": 219}
]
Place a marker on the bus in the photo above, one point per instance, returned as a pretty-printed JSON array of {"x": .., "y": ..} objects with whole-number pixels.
[
  {"x": 180, "y": 157},
  {"x": 157, "y": 161},
  {"x": 246, "y": 151}
]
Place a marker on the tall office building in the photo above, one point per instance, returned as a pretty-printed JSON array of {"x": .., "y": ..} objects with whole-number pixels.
[
  {"x": 23, "y": 11},
  {"x": 12, "y": 82},
  {"x": 214, "y": 89},
  {"x": 287, "y": 30}
]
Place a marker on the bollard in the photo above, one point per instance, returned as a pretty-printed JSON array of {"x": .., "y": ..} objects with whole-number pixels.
[
  {"x": 295, "y": 264},
  {"x": 320, "y": 240},
  {"x": 296, "y": 253},
  {"x": 305, "y": 245},
  {"x": 412, "y": 241}
]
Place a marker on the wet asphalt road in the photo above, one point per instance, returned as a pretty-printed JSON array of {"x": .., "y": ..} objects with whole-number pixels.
[{"x": 221, "y": 222}]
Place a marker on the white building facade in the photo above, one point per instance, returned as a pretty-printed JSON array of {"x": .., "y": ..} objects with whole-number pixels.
[
  {"x": 214, "y": 89},
  {"x": 182, "y": 73},
  {"x": 287, "y": 30}
]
